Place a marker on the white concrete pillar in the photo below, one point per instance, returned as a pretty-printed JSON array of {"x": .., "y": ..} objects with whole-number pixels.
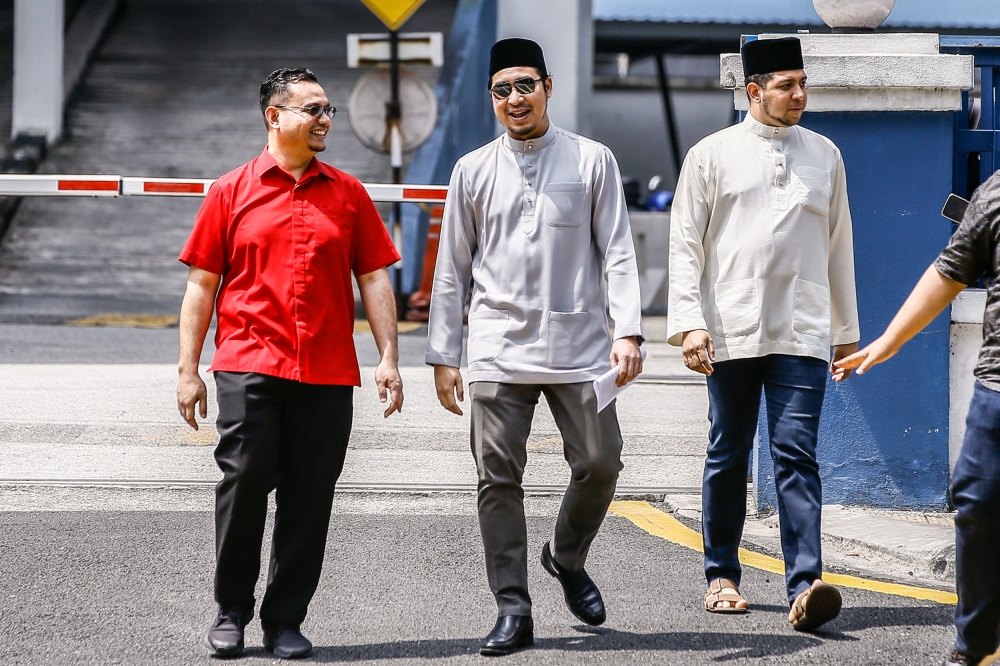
[
  {"x": 38, "y": 68},
  {"x": 565, "y": 31}
]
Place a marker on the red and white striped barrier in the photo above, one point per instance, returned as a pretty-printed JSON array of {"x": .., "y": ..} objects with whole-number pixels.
[
  {"x": 407, "y": 193},
  {"x": 42, "y": 185},
  {"x": 165, "y": 187}
]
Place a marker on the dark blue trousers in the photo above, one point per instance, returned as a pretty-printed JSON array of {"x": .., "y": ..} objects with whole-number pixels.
[
  {"x": 793, "y": 388},
  {"x": 976, "y": 495}
]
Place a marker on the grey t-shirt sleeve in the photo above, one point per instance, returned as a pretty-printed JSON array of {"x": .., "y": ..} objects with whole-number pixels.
[{"x": 969, "y": 254}]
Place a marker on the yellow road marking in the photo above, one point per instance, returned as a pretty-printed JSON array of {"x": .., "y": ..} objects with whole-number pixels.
[
  {"x": 126, "y": 320},
  {"x": 667, "y": 527},
  {"x": 362, "y": 326}
]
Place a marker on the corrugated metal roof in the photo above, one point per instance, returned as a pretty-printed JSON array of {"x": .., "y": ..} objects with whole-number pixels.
[{"x": 915, "y": 13}]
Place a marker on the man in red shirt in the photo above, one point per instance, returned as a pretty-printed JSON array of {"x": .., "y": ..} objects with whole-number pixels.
[{"x": 272, "y": 252}]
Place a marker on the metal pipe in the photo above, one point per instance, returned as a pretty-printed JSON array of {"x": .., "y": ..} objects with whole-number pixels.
[{"x": 668, "y": 110}]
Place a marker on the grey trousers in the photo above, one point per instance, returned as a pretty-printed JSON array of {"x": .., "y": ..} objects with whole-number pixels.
[{"x": 592, "y": 445}]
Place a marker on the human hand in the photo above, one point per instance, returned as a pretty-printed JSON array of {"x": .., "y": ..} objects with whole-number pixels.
[
  {"x": 699, "y": 352},
  {"x": 190, "y": 392},
  {"x": 877, "y": 352},
  {"x": 390, "y": 386},
  {"x": 448, "y": 382},
  {"x": 841, "y": 351},
  {"x": 626, "y": 355}
]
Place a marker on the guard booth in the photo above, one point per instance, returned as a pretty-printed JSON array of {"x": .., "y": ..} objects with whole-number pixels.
[{"x": 912, "y": 126}]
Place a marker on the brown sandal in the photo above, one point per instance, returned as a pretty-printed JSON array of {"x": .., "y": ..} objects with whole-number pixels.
[
  {"x": 723, "y": 590},
  {"x": 815, "y": 606}
]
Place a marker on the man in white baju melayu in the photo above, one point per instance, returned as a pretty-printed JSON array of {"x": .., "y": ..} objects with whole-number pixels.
[
  {"x": 536, "y": 221},
  {"x": 761, "y": 285}
]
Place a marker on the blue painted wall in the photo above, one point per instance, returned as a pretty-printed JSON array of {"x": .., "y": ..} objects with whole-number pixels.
[
  {"x": 884, "y": 436},
  {"x": 465, "y": 121}
]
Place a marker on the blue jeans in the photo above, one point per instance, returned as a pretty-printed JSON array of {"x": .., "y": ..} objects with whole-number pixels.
[
  {"x": 975, "y": 493},
  {"x": 793, "y": 388}
]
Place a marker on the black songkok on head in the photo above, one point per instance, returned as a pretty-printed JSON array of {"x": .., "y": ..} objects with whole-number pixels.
[
  {"x": 764, "y": 56},
  {"x": 516, "y": 52}
]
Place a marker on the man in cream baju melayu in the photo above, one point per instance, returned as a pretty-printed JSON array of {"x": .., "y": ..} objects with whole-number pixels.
[
  {"x": 536, "y": 222},
  {"x": 761, "y": 286}
]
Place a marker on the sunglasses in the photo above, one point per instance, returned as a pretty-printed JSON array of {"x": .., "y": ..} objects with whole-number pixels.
[
  {"x": 314, "y": 110},
  {"x": 525, "y": 86}
]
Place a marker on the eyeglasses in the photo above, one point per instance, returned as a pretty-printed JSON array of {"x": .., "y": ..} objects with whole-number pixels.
[
  {"x": 525, "y": 86},
  {"x": 314, "y": 110}
]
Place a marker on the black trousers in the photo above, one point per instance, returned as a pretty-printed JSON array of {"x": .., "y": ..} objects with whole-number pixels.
[{"x": 276, "y": 434}]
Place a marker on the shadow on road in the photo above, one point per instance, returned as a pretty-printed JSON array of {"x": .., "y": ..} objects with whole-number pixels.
[
  {"x": 743, "y": 646},
  {"x": 861, "y": 618}
]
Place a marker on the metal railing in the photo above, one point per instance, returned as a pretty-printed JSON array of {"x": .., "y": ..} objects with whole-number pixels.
[{"x": 977, "y": 125}]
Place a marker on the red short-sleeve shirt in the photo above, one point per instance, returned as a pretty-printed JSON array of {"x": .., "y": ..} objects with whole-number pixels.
[{"x": 286, "y": 251}]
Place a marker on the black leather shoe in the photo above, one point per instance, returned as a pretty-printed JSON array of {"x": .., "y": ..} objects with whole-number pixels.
[
  {"x": 511, "y": 633},
  {"x": 225, "y": 636},
  {"x": 582, "y": 596},
  {"x": 287, "y": 642},
  {"x": 960, "y": 658}
]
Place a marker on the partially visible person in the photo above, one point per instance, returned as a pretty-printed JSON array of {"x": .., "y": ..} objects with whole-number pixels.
[
  {"x": 536, "y": 221},
  {"x": 761, "y": 285},
  {"x": 272, "y": 253},
  {"x": 972, "y": 254}
]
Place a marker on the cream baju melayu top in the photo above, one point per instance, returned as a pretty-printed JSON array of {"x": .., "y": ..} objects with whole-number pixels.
[{"x": 761, "y": 248}]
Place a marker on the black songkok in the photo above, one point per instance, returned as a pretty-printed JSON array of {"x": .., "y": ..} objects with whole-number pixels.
[
  {"x": 516, "y": 52},
  {"x": 764, "y": 56}
]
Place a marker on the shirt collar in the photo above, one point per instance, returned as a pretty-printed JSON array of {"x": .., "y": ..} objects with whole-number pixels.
[
  {"x": 532, "y": 145},
  {"x": 266, "y": 163},
  {"x": 767, "y": 131}
]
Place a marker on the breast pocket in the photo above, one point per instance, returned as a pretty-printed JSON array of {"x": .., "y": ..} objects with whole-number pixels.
[
  {"x": 814, "y": 189},
  {"x": 564, "y": 204},
  {"x": 328, "y": 226},
  {"x": 486, "y": 329},
  {"x": 738, "y": 305},
  {"x": 812, "y": 309}
]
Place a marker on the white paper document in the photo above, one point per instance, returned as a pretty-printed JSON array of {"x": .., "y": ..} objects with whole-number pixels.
[{"x": 605, "y": 388}]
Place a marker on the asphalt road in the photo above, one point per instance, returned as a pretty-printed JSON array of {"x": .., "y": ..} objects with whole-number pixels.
[
  {"x": 404, "y": 583},
  {"x": 123, "y": 575}
]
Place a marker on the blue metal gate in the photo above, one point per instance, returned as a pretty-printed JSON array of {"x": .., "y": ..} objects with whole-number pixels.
[{"x": 977, "y": 125}]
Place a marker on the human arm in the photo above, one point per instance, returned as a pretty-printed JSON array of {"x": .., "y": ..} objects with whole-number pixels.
[
  {"x": 966, "y": 258},
  {"x": 845, "y": 330},
  {"x": 839, "y": 352},
  {"x": 452, "y": 275},
  {"x": 613, "y": 239},
  {"x": 448, "y": 384},
  {"x": 689, "y": 217},
  {"x": 380, "y": 306},
  {"x": 196, "y": 316},
  {"x": 698, "y": 351},
  {"x": 931, "y": 295}
]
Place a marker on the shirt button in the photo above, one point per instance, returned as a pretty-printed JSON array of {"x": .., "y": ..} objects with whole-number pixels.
[
  {"x": 530, "y": 164},
  {"x": 530, "y": 145}
]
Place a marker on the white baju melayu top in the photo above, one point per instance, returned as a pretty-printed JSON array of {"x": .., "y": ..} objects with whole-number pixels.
[
  {"x": 761, "y": 248},
  {"x": 540, "y": 228}
]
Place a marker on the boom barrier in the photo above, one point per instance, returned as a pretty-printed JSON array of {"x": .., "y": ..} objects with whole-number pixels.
[{"x": 46, "y": 185}]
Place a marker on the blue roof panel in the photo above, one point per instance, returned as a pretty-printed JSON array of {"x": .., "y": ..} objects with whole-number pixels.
[{"x": 915, "y": 13}]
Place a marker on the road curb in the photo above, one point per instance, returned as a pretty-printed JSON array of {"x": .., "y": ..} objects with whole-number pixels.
[{"x": 900, "y": 544}]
